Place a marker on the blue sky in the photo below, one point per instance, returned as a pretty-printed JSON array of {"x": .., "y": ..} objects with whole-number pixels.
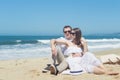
[{"x": 48, "y": 17}]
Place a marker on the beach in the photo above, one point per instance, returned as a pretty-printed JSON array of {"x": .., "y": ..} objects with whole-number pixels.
[
  {"x": 27, "y": 28},
  {"x": 31, "y": 69}
]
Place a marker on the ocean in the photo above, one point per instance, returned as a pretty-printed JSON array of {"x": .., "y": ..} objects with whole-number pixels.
[{"x": 18, "y": 47}]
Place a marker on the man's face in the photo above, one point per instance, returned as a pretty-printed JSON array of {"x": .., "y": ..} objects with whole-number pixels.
[{"x": 67, "y": 32}]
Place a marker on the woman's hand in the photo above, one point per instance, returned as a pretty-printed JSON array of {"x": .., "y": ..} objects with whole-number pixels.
[{"x": 84, "y": 45}]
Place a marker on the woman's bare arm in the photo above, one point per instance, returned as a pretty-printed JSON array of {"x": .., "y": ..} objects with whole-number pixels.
[{"x": 84, "y": 45}]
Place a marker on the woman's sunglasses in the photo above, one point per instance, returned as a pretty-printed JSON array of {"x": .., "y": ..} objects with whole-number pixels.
[{"x": 73, "y": 33}]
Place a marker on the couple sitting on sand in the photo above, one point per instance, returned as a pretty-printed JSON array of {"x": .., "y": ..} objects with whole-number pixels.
[{"x": 72, "y": 53}]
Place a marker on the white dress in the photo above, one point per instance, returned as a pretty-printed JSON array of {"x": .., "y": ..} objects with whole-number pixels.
[
  {"x": 89, "y": 61},
  {"x": 82, "y": 64},
  {"x": 73, "y": 62}
]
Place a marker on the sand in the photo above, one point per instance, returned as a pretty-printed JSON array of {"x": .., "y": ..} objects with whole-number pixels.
[{"x": 31, "y": 69}]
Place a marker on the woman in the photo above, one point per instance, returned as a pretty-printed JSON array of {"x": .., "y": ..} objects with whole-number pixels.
[{"x": 79, "y": 59}]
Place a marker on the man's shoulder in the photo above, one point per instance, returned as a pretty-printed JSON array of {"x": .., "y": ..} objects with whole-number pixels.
[{"x": 63, "y": 38}]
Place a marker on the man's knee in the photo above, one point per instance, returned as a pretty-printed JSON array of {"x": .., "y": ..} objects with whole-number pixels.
[{"x": 58, "y": 49}]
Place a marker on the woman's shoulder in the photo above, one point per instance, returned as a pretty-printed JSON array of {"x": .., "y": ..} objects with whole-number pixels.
[{"x": 83, "y": 39}]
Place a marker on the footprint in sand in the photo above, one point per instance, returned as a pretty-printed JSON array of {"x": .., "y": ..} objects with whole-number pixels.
[
  {"x": 19, "y": 62},
  {"x": 1, "y": 67},
  {"x": 34, "y": 73}
]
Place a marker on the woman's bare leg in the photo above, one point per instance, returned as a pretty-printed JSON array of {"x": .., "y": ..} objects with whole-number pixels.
[
  {"x": 102, "y": 67},
  {"x": 98, "y": 71},
  {"x": 101, "y": 70}
]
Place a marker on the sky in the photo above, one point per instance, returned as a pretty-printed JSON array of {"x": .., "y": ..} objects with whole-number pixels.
[{"x": 48, "y": 17}]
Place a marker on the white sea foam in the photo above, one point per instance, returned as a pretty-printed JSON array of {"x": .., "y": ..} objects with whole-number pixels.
[
  {"x": 101, "y": 44},
  {"x": 103, "y": 40},
  {"x": 105, "y": 46},
  {"x": 44, "y": 41},
  {"x": 18, "y": 41},
  {"x": 17, "y": 53}
]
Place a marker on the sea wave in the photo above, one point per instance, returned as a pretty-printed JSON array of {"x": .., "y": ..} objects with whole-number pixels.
[
  {"x": 101, "y": 44},
  {"x": 15, "y": 42},
  {"x": 40, "y": 48},
  {"x": 104, "y": 46}
]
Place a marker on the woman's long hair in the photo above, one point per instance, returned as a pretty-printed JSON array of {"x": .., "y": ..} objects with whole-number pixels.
[{"x": 78, "y": 35}]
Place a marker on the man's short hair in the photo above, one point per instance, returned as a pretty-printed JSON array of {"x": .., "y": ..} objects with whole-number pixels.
[{"x": 67, "y": 26}]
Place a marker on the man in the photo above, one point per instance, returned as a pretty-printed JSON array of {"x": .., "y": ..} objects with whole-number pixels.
[{"x": 62, "y": 65}]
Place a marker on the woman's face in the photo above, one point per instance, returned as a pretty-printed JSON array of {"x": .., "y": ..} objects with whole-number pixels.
[{"x": 73, "y": 34}]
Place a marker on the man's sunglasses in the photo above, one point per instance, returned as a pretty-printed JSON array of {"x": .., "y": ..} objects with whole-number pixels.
[{"x": 67, "y": 31}]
